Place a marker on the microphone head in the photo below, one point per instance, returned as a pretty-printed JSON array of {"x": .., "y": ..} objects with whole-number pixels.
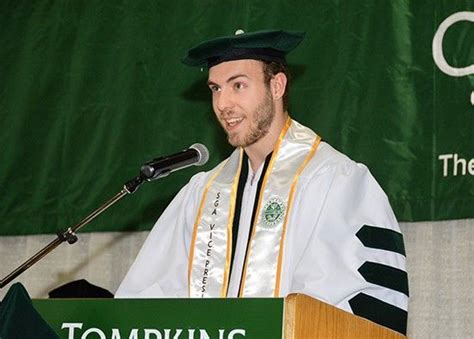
[{"x": 203, "y": 153}]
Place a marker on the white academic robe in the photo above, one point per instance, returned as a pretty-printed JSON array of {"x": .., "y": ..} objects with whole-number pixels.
[{"x": 334, "y": 198}]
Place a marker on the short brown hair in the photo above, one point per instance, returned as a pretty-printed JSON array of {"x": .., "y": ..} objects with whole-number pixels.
[{"x": 272, "y": 68}]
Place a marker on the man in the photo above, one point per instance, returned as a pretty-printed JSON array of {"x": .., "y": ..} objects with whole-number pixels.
[{"x": 285, "y": 213}]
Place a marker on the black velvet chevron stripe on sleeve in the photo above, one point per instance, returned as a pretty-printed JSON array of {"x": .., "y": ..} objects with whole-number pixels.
[
  {"x": 385, "y": 276},
  {"x": 379, "y": 312},
  {"x": 381, "y": 238}
]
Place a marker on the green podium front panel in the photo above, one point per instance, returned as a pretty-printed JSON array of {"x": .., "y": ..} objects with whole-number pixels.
[{"x": 163, "y": 318}]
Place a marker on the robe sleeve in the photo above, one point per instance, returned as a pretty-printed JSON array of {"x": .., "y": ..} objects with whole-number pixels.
[
  {"x": 161, "y": 267},
  {"x": 354, "y": 257}
]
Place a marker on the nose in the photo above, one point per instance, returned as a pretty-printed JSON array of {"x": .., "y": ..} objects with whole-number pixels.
[{"x": 222, "y": 100}]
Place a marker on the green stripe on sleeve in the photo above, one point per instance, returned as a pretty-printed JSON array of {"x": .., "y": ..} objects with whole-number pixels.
[
  {"x": 379, "y": 312},
  {"x": 381, "y": 238},
  {"x": 385, "y": 276}
]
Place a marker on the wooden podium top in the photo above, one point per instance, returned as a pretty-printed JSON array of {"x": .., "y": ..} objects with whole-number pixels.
[{"x": 306, "y": 317}]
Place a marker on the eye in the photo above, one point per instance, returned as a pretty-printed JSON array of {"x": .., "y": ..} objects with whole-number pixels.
[
  {"x": 214, "y": 88},
  {"x": 239, "y": 85}
]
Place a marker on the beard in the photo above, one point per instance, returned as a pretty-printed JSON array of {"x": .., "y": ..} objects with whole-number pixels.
[{"x": 263, "y": 117}]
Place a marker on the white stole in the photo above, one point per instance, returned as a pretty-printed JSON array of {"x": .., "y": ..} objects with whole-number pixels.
[{"x": 211, "y": 245}]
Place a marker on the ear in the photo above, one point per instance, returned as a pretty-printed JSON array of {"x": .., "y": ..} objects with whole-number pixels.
[{"x": 278, "y": 85}]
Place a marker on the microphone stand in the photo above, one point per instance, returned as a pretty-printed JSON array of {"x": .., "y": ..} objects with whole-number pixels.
[{"x": 69, "y": 235}]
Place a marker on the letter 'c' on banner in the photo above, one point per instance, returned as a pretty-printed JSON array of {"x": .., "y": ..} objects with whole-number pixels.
[{"x": 437, "y": 46}]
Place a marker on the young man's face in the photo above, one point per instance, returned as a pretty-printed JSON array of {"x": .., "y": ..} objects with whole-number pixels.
[{"x": 242, "y": 101}]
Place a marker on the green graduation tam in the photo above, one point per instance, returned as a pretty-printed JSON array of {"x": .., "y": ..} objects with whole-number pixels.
[{"x": 262, "y": 45}]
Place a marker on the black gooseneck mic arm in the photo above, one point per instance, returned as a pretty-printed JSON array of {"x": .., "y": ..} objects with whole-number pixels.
[{"x": 70, "y": 236}]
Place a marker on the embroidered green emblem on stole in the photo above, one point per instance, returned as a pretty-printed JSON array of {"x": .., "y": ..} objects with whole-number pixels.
[{"x": 273, "y": 211}]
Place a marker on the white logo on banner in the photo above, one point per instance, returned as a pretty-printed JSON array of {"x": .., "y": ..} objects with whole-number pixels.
[
  {"x": 151, "y": 333},
  {"x": 437, "y": 47}
]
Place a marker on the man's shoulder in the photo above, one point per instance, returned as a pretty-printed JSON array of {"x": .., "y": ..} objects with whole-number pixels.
[
  {"x": 327, "y": 158},
  {"x": 332, "y": 166},
  {"x": 326, "y": 152}
]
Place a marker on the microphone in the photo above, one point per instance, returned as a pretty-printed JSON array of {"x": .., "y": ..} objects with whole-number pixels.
[{"x": 196, "y": 154}]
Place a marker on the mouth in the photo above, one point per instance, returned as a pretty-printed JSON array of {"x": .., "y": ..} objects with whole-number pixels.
[{"x": 232, "y": 123}]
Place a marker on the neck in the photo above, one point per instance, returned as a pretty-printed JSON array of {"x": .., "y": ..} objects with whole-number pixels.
[{"x": 258, "y": 151}]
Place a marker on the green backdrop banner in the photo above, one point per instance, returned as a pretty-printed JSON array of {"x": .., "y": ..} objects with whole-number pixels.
[{"x": 90, "y": 90}]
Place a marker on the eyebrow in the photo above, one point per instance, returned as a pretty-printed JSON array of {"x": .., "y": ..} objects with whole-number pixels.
[{"x": 232, "y": 78}]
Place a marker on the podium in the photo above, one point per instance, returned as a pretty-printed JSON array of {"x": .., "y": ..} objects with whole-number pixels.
[{"x": 297, "y": 316}]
